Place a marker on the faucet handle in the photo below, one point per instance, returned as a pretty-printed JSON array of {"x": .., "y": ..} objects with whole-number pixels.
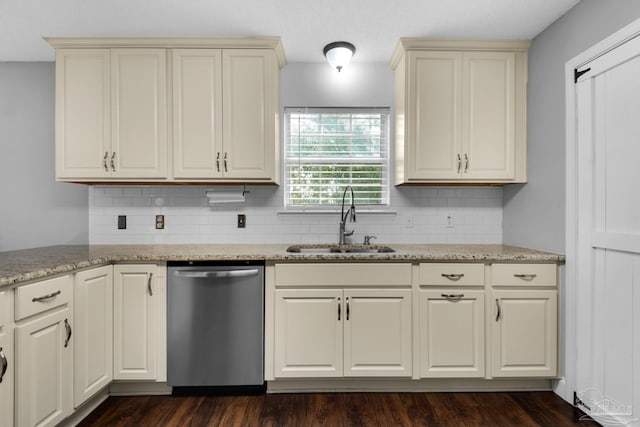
[{"x": 367, "y": 239}]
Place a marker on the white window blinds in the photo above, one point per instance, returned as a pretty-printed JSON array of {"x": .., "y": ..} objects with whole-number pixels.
[{"x": 327, "y": 149}]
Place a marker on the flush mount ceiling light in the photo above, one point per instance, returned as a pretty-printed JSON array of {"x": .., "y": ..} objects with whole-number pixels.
[{"x": 339, "y": 54}]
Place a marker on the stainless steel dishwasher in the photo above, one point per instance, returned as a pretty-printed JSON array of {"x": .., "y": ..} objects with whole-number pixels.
[{"x": 215, "y": 326}]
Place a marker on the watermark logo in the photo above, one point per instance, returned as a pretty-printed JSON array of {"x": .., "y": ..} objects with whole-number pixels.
[{"x": 604, "y": 410}]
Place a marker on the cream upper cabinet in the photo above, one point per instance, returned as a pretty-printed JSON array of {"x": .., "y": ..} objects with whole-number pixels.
[
  {"x": 460, "y": 111},
  {"x": 7, "y": 358},
  {"x": 93, "y": 320},
  {"x": 114, "y": 99},
  {"x": 111, "y": 114},
  {"x": 83, "y": 113},
  {"x": 138, "y": 113}
]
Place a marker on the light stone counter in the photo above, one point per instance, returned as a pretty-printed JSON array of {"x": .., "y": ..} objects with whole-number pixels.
[{"x": 29, "y": 264}]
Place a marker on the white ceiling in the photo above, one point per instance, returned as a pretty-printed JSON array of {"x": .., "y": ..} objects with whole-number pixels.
[{"x": 305, "y": 26}]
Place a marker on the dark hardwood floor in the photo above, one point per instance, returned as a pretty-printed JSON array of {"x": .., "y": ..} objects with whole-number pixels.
[{"x": 341, "y": 409}]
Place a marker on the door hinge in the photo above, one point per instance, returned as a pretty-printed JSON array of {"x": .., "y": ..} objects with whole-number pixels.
[
  {"x": 577, "y": 401},
  {"x": 577, "y": 74}
]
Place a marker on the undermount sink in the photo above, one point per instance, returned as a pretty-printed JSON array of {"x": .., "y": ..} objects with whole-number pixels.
[{"x": 326, "y": 249}]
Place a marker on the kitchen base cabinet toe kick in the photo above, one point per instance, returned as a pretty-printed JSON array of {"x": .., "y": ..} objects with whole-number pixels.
[{"x": 410, "y": 327}]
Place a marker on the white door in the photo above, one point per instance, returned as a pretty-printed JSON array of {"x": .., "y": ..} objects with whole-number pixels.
[
  {"x": 134, "y": 322},
  {"x": 377, "y": 333},
  {"x": 607, "y": 261},
  {"x": 44, "y": 391},
  {"x": 197, "y": 113},
  {"x": 93, "y": 344},
  {"x": 451, "y": 333},
  {"x": 138, "y": 105},
  {"x": 308, "y": 333},
  {"x": 250, "y": 105}
]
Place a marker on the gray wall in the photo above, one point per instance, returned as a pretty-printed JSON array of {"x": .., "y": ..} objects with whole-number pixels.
[
  {"x": 34, "y": 209},
  {"x": 534, "y": 213}
]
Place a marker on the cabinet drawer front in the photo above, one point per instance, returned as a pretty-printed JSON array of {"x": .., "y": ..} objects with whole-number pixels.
[
  {"x": 451, "y": 274},
  {"x": 524, "y": 274},
  {"x": 41, "y": 296},
  {"x": 343, "y": 274}
]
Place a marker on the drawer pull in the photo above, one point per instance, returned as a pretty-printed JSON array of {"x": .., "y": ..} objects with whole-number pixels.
[
  {"x": 525, "y": 276},
  {"x": 498, "y": 306},
  {"x": 453, "y": 277},
  {"x": 453, "y": 297},
  {"x": 339, "y": 309},
  {"x": 4, "y": 365},
  {"x": 347, "y": 308},
  {"x": 46, "y": 297},
  {"x": 67, "y": 326},
  {"x": 149, "y": 284}
]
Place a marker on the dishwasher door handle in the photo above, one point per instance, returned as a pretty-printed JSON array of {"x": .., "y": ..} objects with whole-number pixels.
[{"x": 223, "y": 273}]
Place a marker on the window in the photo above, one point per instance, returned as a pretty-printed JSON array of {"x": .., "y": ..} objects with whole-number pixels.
[{"x": 327, "y": 149}]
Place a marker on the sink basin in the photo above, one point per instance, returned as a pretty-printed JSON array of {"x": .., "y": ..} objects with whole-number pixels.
[{"x": 326, "y": 249}]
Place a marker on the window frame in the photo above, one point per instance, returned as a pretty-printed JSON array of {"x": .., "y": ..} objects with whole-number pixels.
[{"x": 385, "y": 162}]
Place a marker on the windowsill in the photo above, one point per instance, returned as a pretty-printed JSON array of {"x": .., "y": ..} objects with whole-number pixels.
[{"x": 335, "y": 211}]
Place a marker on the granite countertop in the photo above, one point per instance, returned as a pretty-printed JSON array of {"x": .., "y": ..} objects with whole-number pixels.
[{"x": 29, "y": 264}]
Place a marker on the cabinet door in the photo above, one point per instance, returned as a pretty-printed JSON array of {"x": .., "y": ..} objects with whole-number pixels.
[
  {"x": 434, "y": 100},
  {"x": 93, "y": 343},
  {"x": 197, "y": 113},
  {"x": 6, "y": 356},
  {"x": 451, "y": 333},
  {"x": 524, "y": 333},
  {"x": 83, "y": 133},
  {"x": 377, "y": 332},
  {"x": 44, "y": 390},
  {"x": 139, "y": 123},
  {"x": 250, "y": 119},
  {"x": 308, "y": 333},
  {"x": 134, "y": 322},
  {"x": 488, "y": 115}
]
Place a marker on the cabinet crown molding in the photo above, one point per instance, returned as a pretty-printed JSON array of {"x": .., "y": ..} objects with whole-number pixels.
[
  {"x": 274, "y": 43},
  {"x": 407, "y": 43}
]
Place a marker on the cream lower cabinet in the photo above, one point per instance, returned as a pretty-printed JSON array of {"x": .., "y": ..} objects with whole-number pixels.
[
  {"x": 452, "y": 333},
  {"x": 350, "y": 332},
  {"x": 7, "y": 358},
  {"x": 524, "y": 333},
  {"x": 44, "y": 351},
  {"x": 460, "y": 111},
  {"x": 93, "y": 343},
  {"x": 137, "y": 302}
]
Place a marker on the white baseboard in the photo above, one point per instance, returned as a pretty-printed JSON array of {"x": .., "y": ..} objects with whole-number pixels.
[
  {"x": 139, "y": 388},
  {"x": 407, "y": 385}
]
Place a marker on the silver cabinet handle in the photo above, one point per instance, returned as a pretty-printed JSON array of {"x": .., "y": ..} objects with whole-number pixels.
[
  {"x": 149, "y": 284},
  {"x": 104, "y": 161},
  {"x": 218, "y": 161},
  {"x": 498, "y": 306},
  {"x": 347, "y": 299},
  {"x": 454, "y": 277},
  {"x": 113, "y": 161},
  {"x": 205, "y": 274},
  {"x": 225, "y": 162},
  {"x": 4, "y": 365},
  {"x": 459, "y": 163},
  {"x": 46, "y": 297},
  {"x": 525, "y": 276},
  {"x": 466, "y": 163},
  {"x": 67, "y": 326},
  {"x": 339, "y": 309},
  {"x": 453, "y": 297}
]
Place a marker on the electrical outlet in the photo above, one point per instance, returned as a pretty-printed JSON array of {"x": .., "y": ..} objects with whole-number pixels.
[
  {"x": 408, "y": 222},
  {"x": 450, "y": 221},
  {"x": 122, "y": 222},
  {"x": 242, "y": 220},
  {"x": 159, "y": 222}
]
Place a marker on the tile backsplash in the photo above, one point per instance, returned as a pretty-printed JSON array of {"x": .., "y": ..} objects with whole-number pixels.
[{"x": 415, "y": 215}]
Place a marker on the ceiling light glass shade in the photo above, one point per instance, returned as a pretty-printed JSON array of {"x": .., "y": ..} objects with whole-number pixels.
[{"x": 339, "y": 54}]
